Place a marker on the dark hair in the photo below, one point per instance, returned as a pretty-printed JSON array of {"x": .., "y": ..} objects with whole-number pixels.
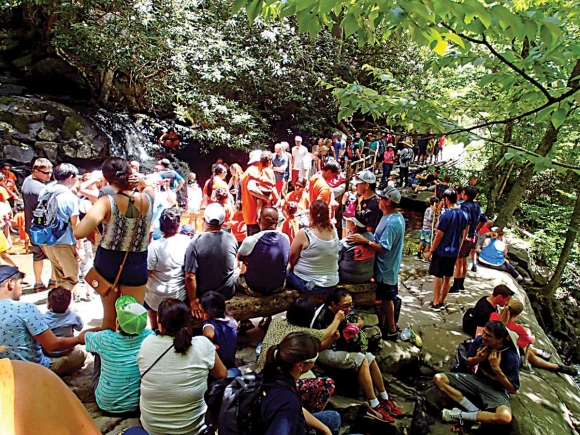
[
  {"x": 301, "y": 312},
  {"x": 294, "y": 348},
  {"x": 332, "y": 166},
  {"x": 269, "y": 220},
  {"x": 470, "y": 192},
  {"x": 169, "y": 221},
  {"x": 319, "y": 216},
  {"x": 292, "y": 208},
  {"x": 266, "y": 157},
  {"x": 5, "y": 164},
  {"x": 219, "y": 169},
  {"x": 502, "y": 290},
  {"x": 174, "y": 315},
  {"x": 450, "y": 195},
  {"x": 59, "y": 299},
  {"x": 337, "y": 295},
  {"x": 221, "y": 193},
  {"x": 64, "y": 171},
  {"x": 497, "y": 329},
  {"x": 434, "y": 200},
  {"x": 214, "y": 304},
  {"x": 363, "y": 216},
  {"x": 301, "y": 181},
  {"x": 459, "y": 190},
  {"x": 117, "y": 171},
  {"x": 447, "y": 179}
]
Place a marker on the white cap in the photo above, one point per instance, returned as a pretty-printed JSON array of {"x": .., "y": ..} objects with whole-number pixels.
[
  {"x": 254, "y": 156},
  {"x": 214, "y": 214},
  {"x": 298, "y": 139}
]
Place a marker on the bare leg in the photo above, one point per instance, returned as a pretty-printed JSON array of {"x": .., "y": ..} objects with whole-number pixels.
[
  {"x": 152, "y": 319},
  {"x": 365, "y": 380},
  {"x": 502, "y": 415},
  {"x": 388, "y": 315},
  {"x": 6, "y": 257},
  {"x": 442, "y": 383},
  {"x": 37, "y": 267},
  {"x": 538, "y": 362},
  {"x": 437, "y": 284},
  {"x": 377, "y": 377},
  {"x": 445, "y": 288}
]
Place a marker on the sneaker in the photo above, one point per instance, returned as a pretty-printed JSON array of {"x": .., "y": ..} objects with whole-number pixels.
[
  {"x": 544, "y": 354},
  {"x": 527, "y": 367},
  {"x": 567, "y": 370},
  {"x": 388, "y": 335},
  {"x": 37, "y": 288},
  {"x": 474, "y": 267},
  {"x": 434, "y": 307},
  {"x": 420, "y": 255},
  {"x": 389, "y": 406},
  {"x": 379, "y": 413},
  {"x": 454, "y": 414},
  {"x": 51, "y": 283}
]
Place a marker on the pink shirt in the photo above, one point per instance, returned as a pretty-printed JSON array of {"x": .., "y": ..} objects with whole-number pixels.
[{"x": 524, "y": 338}]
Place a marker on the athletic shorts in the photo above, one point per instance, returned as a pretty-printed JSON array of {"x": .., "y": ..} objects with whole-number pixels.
[
  {"x": 38, "y": 253},
  {"x": 425, "y": 237},
  {"x": 386, "y": 292},
  {"x": 344, "y": 360},
  {"x": 472, "y": 386},
  {"x": 441, "y": 266},
  {"x": 466, "y": 248}
]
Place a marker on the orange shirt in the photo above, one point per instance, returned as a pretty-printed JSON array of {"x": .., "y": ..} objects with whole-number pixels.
[
  {"x": 319, "y": 189},
  {"x": 3, "y": 194},
  {"x": 238, "y": 228},
  {"x": 268, "y": 182},
  {"x": 290, "y": 227},
  {"x": 229, "y": 212},
  {"x": 301, "y": 198},
  {"x": 217, "y": 183},
  {"x": 249, "y": 201}
]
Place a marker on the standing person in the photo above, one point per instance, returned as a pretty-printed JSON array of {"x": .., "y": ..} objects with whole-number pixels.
[
  {"x": 473, "y": 213},
  {"x": 427, "y": 228},
  {"x": 194, "y": 198},
  {"x": 165, "y": 264},
  {"x": 126, "y": 218},
  {"x": 167, "y": 173},
  {"x": 319, "y": 188},
  {"x": 299, "y": 153},
  {"x": 279, "y": 166},
  {"x": 234, "y": 183},
  {"x": 9, "y": 183},
  {"x": 216, "y": 181},
  {"x": 285, "y": 150},
  {"x": 251, "y": 192},
  {"x": 356, "y": 262},
  {"x": 33, "y": 185},
  {"x": 66, "y": 252},
  {"x": 388, "y": 246},
  {"x": 388, "y": 162},
  {"x": 366, "y": 183},
  {"x": 405, "y": 156},
  {"x": 451, "y": 232}
]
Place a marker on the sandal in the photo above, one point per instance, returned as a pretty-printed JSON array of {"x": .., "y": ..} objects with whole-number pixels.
[{"x": 37, "y": 288}]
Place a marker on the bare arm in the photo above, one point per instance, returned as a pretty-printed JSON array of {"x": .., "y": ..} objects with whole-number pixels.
[
  {"x": 51, "y": 342},
  {"x": 88, "y": 189},
  {"x": 93, "y": 218},
  {"x": 252, "y": 187},
  {"x": 209, "y": 332},
  {"x": 314, "y": 423},
  {"x": 299, "y": 243},
  {"x": 219, "y": 371}
]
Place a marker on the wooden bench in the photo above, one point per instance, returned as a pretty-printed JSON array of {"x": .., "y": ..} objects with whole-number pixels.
[{"x": 244, "y": 307}]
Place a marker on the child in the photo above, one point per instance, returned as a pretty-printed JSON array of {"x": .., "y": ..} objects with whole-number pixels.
[
  {"x": 237, "y": 225},
  {"x": 290, "y": 225},
  {"x": 223, "y": 197},
  {"x": 267, "y": 185},
  {"x": 194, "y": 198},
  {"x": 59, "y": 318},
  {"x": 116, "y": 379},
  {"x": 18, "y": 222},
  {"x": 427, "y": 229},
  {"x": 221, "y": 329}
]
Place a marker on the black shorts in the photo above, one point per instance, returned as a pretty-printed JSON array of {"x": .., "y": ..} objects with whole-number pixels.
[
  {"x": 386, "y": 292},
  {"x": 466, "y": 248},
  {"x": 422, "y": 151},
  {"x": 441, "y": 266},
  {"x": 38, "y": 253},
  {"x": 380, "y": 158}
]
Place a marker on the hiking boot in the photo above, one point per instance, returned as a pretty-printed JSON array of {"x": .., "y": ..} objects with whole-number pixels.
[
  {"x": 453, "y": 290},
  {"x": 420, "y": 255},
  {"x": 389, "y": 406},
  {"x": 379, "y": 413},
  {"x": 454, "y": 414},
  {"x": 567, "y": 370},
  {"x": 474, "y": 267}
]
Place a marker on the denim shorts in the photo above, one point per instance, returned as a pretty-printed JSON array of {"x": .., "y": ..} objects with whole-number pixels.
[{"x": 134, "y": 273}]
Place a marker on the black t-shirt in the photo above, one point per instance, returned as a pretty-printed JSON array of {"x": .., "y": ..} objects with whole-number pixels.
[
  {"x": 483, "y": 309},
  {"x": 371, "y": 204},
  {"x": 430, "y": 178},
  {"x": 30, "y": 193},
  {"x": 323, "y": 320},
  {"x": 106, "y": 190}
]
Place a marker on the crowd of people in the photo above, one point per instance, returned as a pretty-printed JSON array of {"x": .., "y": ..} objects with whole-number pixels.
[{"x": 269, "y": 227}]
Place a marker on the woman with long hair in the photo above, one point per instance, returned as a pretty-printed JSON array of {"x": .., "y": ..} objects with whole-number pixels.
[
  {"x": 313, "y": 263},
  {"x": 174, "y": 367},
  {"x": 234, "y": 183},
  {"x": 194, "y": 198},
  {"x": 536, "y": 357},
  {"x": 126, "y": 218},
  {"x": 215, "y": 182},
  {"x": 281, "y": 411}
]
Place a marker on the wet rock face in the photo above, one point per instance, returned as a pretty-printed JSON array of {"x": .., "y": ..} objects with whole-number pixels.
[{"x": 33, "y": 127}]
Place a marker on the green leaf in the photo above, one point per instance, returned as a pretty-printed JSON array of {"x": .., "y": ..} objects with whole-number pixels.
[
  {"x": 238, "y": 4},
  {"x": 254, "y": 9},
  {"x": 479, "y": 61},
  {"x": 440, "y": 47},
  {"x": 558, "y": 117},
  {"x": 325, "y": 6},
  {"x": 350, "y": 25},
  {"x": 454, "y": 38}
]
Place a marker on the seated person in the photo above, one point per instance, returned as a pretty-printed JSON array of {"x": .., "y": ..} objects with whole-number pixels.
[
  {"x": 427, "y": 182},
  {"x": 476, "y": 318},
  {"x": 349, "y": 353},
  {"x": 537, "y": 357},
  {"x": 267, "y": 250},
  {"x": 29, "y": 331},
  {"x": 221, "y": 329},
  {"x": 493, "y": 252},
  {"x": 290, "y": 226},
  {"x": 497, "y": 376},
  {"x": 356, "y": 262},
  {"x": 116, "y": 377},
  {"x": 314, "y": 392},
  {"x": 59, "y": 318}
]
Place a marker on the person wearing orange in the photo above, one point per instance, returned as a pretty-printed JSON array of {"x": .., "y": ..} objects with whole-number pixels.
[
  {"x": 267, "y": 182},
  {"x": 319, "y": 189},
  {"x": 215, "y": 182},
  {"x": 251, "y": 192},
  {"x": 222, "y": 197},
  {"x": 237, "y": 225},
  {"x": 290, "y": 225},
  {"x": 299, "y": 196}
]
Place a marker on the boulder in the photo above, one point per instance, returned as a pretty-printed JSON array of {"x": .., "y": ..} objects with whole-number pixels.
[{"x": 19, "y": 153}]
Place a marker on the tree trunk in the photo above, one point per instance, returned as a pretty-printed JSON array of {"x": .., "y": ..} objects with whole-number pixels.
[
  {"x": 107, "y": 84},
  {"x": 549, "y": 289},
  {"x": 495, "y": 190},
  {"x": 523, "y": 180}
]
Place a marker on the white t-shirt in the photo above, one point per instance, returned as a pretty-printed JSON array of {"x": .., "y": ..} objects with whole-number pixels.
[
  {"x": 298, "y": 154},
  {"x": 165, "y": 259},
  {"x": 171, "y": 400},
  {"x": 194, "y": 197}
]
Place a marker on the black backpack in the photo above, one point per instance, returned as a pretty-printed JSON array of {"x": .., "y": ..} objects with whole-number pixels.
[
  {"x": 233, "y": 405},
  {"x": 469, "y": 323},
  {"x": 458, "y": 363}
]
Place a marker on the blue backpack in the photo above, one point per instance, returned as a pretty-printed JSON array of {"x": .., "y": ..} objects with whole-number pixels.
[{"x": 47, "y": 227}]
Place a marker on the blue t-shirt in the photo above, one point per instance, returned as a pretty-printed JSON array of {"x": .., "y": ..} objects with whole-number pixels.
[
  {"x": 278, "y": 162},
  {"x": 226, "y": 337},
  {"x": 67, "y": 206},
  {"x": 20, "y": 322},
  {"x": 120, "y": 380},
  {"x": 452, "y": 222},
  {"x": 509, "y": 364},
  {"x": 336, "y": 145},
  {"x": 62, "y": 325},
  {"x": 472, "y": 211},
  {"x": 390, "y": 234}
]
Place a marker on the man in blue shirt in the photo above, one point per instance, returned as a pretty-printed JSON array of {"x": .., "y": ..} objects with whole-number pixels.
[
  {"x": 445, "y": 248},
  {"x": 279, "y": 166},
  {"x": 388, "y": 245},
  {"x": 497, "y": 376}
]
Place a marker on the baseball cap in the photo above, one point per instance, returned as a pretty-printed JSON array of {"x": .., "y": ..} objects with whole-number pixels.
[
  {"x": 254, "y": 156},
  {"x": 165, "y": 162},
  {"x": 360, "y": 218},
  {"x": 355, "y": 221},
  {"x": 494, "y": 228},
  {"x": 214, "y": 214},
  {"x": 8, "y": 271},
  {"x": 390, "y": 193},
  {"x": 131, "y": 315},
  {"x": 365, "y": 177},
  {"x": 188, "y": 230},
  {"x": 298, "y": 139}
]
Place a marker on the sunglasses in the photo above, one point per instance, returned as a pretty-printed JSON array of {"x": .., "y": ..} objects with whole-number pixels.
[{"x": 45, "y": 172}]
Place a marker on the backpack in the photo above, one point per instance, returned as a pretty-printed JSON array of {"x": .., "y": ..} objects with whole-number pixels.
[
  {"x": 468, "y": 324},
  {"x": 47, "y": 227},
  {"x": 406, "y": 157},
  {"x": 233, "y": 405},
  {"x": 458, "y": 364}
]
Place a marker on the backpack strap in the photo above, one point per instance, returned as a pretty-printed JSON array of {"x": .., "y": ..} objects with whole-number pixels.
[{"x": 157, "y": 360}]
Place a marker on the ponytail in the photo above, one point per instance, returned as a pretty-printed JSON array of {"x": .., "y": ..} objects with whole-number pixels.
[
  {"x": 182, "y": 340},
  {"x": 294, "y": 348},
  {"x": 512, "y": 309},
  {"x": 174, "y": 315}
]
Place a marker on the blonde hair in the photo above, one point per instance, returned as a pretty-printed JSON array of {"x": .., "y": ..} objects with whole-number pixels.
[
  {"x": 511, "y": 310},
  {"x": 238, "y": 169}
]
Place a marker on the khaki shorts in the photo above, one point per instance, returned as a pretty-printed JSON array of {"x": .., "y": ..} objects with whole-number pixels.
[
  {"x": 471, "y": 385},
  {"x": 69, "y": 363},
  {"x": 344, "y": 360},
  {"x": 64, "y": 264}
]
